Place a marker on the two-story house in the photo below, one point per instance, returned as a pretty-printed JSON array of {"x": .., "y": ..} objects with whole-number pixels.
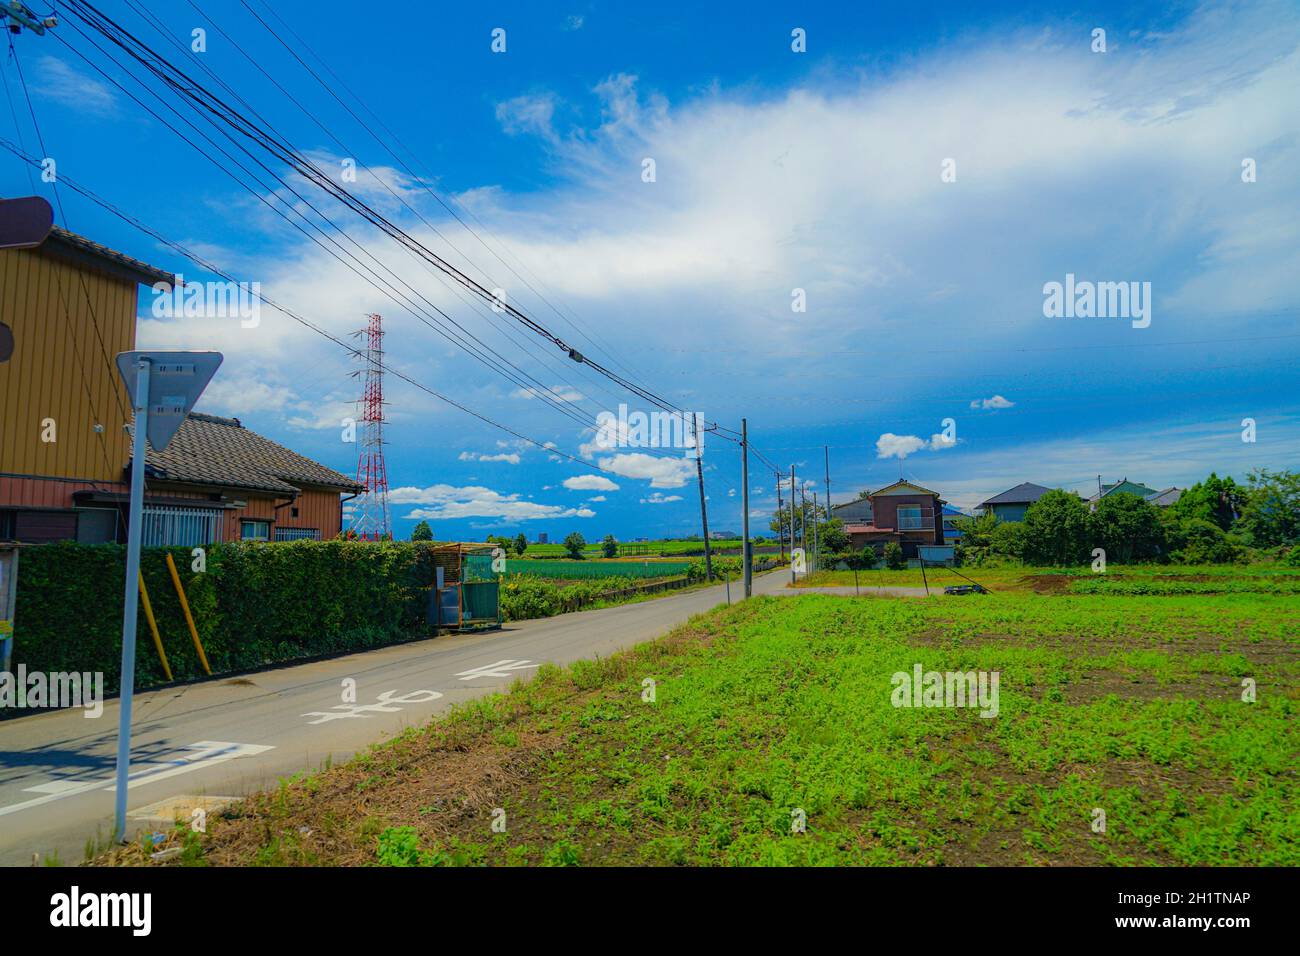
[{"x": 902, "y": 512}]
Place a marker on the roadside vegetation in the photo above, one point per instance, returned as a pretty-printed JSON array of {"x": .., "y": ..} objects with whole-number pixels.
[{"x": 779, "y": 709}]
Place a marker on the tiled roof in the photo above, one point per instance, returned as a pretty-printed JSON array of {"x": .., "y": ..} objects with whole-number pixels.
[
  {"x": 1164, "y": 499},
  {"x": 141, "y": 271},
  {"x": 866, "y": 529},
  {"x": 1025, "y": 492},
  {"x": 207, "y": 450}
]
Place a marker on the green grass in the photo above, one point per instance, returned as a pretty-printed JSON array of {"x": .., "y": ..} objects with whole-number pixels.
[
  {"x": 1127, "y": 703},
  {"x": 582, "y": 570}
]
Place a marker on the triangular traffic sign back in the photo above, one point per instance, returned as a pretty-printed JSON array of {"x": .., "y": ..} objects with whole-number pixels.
[{"x": 176, "y": 380}]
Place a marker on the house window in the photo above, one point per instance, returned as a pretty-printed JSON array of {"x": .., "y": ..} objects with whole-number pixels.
[
  {"x": 909, "y": 517},
  {"x": 255, "y": 530},
  {"x": 182, "y": 527},
  {"x": 297, "y": 534}
]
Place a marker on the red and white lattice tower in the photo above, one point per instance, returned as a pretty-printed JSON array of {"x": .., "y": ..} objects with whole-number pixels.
[{"x": 370, "y": 515}]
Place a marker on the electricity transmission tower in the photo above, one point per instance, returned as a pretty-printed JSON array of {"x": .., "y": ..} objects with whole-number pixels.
[{"x": 370, "y": 515}]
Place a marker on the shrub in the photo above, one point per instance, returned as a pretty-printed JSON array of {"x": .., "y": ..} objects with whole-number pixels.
[
  {"x": 257, "y": 603},
  {"x": 894, "y": 559}
]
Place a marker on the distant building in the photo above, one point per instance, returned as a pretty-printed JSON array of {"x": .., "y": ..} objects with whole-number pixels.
[
  {"x": 858, "y": 511},
  {"x": 1012, "y": 504},
  {"x": 1124, "y": 486},
  {"x": 951, "y": 532},
  {"x": 542, "y": 538},
  {"x": 903, "y": 512},
  {"x": 1163, "y": 499}
]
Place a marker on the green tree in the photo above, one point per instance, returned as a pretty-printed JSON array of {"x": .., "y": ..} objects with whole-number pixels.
[
  {"x": 1270, "y": 512},
  {"x": 1057, "y": 530},
  {"x": 521, "y": 544},
  {"x": 1197, "y": 541},
  {"x": 976, "y": 532},
  {"x": 422, "y": 532},
  {"x": 832, "y": 537},
  {"x": 1215, "y": 499},
  {"x": 609, "y": 547},
  {"x": 804, "y": 516},
  {"x": 574, "y": 543},
  {"x": 1128, "y": 527},
  {"x": 1009, "y": 538},
  {"x": 894, "y": 559}
]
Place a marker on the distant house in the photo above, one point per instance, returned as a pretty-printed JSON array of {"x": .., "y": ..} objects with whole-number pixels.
[
  {"x": 951, "y": 533},
  {"x": 1124, "y": 486},
  {"x": 1012, "y": 504},
  {"x": 857, "y": 511},
  {"x": 1163, "y": 499},
  {"x": 902, "y": 512}
]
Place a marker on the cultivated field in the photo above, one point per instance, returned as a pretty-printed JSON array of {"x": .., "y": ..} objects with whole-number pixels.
[{"x": 781, "y": 709}]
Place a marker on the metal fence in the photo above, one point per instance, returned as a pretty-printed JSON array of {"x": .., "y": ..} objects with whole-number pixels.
[
  {"x": 297, "y": 534},
  {"x": 184, "y": 527}
]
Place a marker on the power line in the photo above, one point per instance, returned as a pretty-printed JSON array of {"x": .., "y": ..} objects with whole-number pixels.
[
  {"x": 207, "y": 265},
  {"x": 189, "y": 88}
]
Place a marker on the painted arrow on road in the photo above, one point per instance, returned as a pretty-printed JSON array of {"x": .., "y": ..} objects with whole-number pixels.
[{"x": 499, "y": 669}]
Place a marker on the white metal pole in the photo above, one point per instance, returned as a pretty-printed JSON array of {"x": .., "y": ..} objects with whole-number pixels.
[{"x": 134, "y": 532}]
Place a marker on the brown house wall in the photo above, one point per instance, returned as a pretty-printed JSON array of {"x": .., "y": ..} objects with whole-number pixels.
[{"x": 60, "y": 370}]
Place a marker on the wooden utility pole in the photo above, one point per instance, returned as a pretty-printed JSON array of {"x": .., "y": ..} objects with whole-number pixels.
[
  {"x": 746, "y": 561},
  {"x": 704, "y": 509}
]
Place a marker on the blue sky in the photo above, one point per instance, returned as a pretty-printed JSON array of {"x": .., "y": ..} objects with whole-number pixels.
[{"x": 775, "y": 171}]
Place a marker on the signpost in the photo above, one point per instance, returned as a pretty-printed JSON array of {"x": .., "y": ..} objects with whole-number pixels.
[
  {"x": 163, "y": 387},
  {"x": 8, "y": 598}
]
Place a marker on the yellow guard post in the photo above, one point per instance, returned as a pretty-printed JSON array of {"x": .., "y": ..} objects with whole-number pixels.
[
  {"x": 189, "y": 619},
  {"x": 153, "y": 628}
]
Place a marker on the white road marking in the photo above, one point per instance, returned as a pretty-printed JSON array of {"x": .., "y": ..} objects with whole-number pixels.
[
  {"x": 499, "y": 669},
  {"x": 207, "y": 753},
  {"x": 385, "y": 703}
]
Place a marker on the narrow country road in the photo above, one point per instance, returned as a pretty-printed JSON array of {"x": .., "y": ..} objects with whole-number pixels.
[{"x": 232, "y": 736}]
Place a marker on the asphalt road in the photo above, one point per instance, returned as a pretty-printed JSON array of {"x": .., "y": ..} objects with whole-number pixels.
[{"x": 233, "y": 736}]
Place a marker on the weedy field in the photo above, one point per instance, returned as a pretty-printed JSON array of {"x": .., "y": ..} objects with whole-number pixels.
[{"x": 1126, "y": 733}]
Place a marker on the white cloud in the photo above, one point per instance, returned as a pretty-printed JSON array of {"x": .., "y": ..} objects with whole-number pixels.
[
  {"x": 511, "y": 458},
  {"x": 660, "y": 499},
  {"x": 597, "y": 498},
  {"x": 559, "y": 393},
  {"x": 447, "y": 502},
  {"x": 890, "y": 445},
  {"x": 997, "y": 401},
  {"x": 662, "y": 472},
  {"x": 82, "y": 92},
  {"x": 530, "y": 113},
  {"x": 589, "y": 483},
  {"x": 573, "y": 21}
]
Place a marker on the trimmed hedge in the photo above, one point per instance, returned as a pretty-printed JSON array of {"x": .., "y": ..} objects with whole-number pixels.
[{"x": 257, "y": 603}]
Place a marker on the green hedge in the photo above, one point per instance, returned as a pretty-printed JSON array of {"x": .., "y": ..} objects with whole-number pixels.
[{"x": 257, "y": 603}]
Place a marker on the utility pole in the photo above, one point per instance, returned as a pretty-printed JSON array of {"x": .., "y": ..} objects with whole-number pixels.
[
  {"x": 792, "y": 571},
  {"x": 704, "y": 510},
  {"x": 746, "y": 561},
  {"x": 780, "y": 511},
  {"x": 827, "y": 450},
  {"x": 816, "y": 547},
  {"x": 803, "y": 522}
]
